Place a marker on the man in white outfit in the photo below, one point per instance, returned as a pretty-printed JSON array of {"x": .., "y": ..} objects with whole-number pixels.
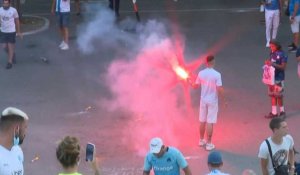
[
  {"x": 211, "y": 86},
  {"x": 13, "y": 126},
  {"x": 62, "y": 10},
  {"x": 272, "y": 17},
  {"x": 10, "y": 28}
]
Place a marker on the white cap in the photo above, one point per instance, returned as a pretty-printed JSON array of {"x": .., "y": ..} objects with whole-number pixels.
[
  {"x": 155, "y": 145},
  {"x": 14, "y": 111}
]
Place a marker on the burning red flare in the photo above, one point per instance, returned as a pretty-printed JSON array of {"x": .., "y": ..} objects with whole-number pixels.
[{"x": 181, "y": 72}]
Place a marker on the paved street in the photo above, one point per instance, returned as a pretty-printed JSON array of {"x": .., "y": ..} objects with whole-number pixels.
[{"x": 67, "y": 92}]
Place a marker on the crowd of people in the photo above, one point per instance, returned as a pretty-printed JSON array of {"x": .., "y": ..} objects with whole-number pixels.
[
  {"x": 276, "y": 153},
  {"x": 10, "y": 24}
]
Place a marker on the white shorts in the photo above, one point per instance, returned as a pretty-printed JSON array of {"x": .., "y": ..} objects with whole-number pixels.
[
  {"x": 208, "y": 112},
  {"x": 295, "y": 24}
]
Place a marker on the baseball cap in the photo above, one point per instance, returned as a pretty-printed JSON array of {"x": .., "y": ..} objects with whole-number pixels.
[
  {"x": 155, "y": 145},
  {"x": 214, "y": 157},
  {"x": 14, "y": 111}
]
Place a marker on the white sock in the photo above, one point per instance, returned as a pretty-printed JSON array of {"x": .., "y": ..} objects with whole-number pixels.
[
  {"x": 281, "y": 109},
  {"x": 274, "y": 110}
]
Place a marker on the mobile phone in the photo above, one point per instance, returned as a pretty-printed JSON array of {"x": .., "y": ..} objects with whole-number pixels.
[{"x": 90, "y": 148}]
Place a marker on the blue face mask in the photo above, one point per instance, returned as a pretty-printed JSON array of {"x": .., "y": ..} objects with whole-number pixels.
[{"x": 16, "y": 140}]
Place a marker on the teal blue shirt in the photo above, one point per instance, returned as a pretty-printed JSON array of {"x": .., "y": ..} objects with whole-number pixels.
[{"x": 169, "y": 164}]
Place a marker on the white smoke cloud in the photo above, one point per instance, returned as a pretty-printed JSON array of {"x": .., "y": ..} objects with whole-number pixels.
[{"x": 143, "y": 85}]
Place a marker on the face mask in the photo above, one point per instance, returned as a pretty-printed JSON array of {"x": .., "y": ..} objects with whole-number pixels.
[{"x": 16, "y": 140}]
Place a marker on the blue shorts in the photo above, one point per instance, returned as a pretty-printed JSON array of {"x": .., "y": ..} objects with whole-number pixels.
[
  {"x": 8, "y": 37},
  {"x": 63, "y": 19}
]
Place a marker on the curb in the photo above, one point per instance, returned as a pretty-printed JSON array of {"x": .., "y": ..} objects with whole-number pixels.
[{"x": 43, "y": 28}]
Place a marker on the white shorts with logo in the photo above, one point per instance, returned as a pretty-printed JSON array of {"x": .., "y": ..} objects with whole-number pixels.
[{"x": 208, "y": 112}]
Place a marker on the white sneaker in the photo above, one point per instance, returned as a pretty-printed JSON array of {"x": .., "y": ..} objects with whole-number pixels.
[
  {"x": 209, "y": 146},
  {"x": 268, "y": 44},
  {"x": 202, "y": 142},
  {"x": 62, "y": 44},
  {"x": 65, "y": 47}
]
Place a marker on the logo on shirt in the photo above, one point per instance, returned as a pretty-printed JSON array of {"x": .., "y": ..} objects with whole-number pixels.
[
  {"x": 280, "y": 157},
  {"x": 169, "y": 159}
]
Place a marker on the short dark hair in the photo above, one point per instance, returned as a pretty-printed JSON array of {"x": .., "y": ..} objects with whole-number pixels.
[
  {"x": 68, "y": 151},
  {"x": 6, "y": 0},
  {"x": 9, "y": 120},
  {"x": 275, "y": 123},
  {"x": 276, "y": 43},
  {"x": 210, "y": 58}
]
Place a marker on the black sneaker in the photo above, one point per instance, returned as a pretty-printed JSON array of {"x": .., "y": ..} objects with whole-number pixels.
[
  {"x": 282, "y": 114},
  {"x": 294, "y": 49},
  {"x": 270, "y": 115},
  {"x": 291, "y": 46},
  {"x": 8, "y": 66}
]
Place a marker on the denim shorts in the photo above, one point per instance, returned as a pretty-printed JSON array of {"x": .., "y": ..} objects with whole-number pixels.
[
  {"x": 8, "y": 37},
  {"x": 63, "y": 19}
]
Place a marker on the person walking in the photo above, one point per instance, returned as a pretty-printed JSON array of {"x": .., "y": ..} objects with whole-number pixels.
[
  {"x": 10, "y": 28},
  {"x": 272, "y": 18},
  {"x": 277, "y": 60},
  {"x": 62, "y": 10},
  {"x": 277, "y": 150},
  {"x": 211, "y": 88},
  {"x": 13, "y": 127},
  {"x": 164, "y": 160},
  {"x": 294, "y": 11}
]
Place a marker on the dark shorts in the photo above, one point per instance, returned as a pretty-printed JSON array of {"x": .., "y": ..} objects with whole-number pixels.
[
  {"x": 8, "y": 37},
  {"x": 276, "y": 90},
  {"x": 63, "y": 19}
]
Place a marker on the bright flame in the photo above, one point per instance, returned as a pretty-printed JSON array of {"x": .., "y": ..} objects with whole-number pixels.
[{"x": 181, "y": 72}]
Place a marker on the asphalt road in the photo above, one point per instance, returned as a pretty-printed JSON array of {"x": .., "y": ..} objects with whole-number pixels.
[{"x": 65, "y": 95}]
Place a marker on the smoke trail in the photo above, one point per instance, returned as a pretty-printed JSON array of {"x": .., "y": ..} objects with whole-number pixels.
[{"x": 141, "y": 85}]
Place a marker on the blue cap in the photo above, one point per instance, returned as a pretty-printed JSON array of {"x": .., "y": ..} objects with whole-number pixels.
[{"x": 214, "y": 157}]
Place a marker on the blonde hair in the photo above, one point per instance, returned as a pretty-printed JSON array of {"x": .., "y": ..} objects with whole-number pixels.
[{"x": 68, "y": 151}]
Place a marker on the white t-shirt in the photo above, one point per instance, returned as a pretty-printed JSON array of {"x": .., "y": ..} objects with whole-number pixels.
[
  {"x": 217, "y": 172},
  {"x": 10, "y": 162},
  {"x": 7, "y": 19},
  {"x": 280, "y": 152},
  {"x": 62, "y": 6},
  {"x": 209, "y": 79}
]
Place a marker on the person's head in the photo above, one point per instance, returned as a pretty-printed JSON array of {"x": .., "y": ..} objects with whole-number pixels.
[
  {"x": 279, "y": 126},
  {"x": 6, "y": 4},
  {"x": 68, "y": 152},
  {"x": 210, "y": 61},
  {"x": 214, "y": 160},
  {"x": 275, "y": 45},
  {"x": 157, "y": 147},
  {"x": 14, "y": 122}
]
